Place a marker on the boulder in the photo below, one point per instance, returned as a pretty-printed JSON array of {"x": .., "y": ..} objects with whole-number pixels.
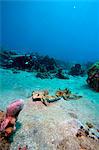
[
  {"x": 61, "y": 75},
  {"x": 93, "y": 76},
  {"x": 76, "y": 70}
]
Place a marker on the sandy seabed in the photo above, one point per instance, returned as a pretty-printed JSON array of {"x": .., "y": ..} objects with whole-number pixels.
[{"x": 44, "y": 128}]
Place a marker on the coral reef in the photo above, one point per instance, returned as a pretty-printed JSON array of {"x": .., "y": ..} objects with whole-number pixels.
[
  {"x": 76, "y": 70},
  {"x": 27, "y": 62},
  {"x": 93, "y": 76},
  {"x": 8, "y": 121},
  {"x": 45, "y": 66}
]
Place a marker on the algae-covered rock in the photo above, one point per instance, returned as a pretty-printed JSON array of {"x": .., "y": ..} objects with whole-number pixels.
[{"x": 93, "y": 76}]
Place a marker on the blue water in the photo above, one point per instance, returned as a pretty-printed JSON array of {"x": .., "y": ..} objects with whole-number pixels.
[{"x": 65, "y": 29}]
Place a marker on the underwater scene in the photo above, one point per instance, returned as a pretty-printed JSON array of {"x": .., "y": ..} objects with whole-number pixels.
[{"x": 49, "y": 75}]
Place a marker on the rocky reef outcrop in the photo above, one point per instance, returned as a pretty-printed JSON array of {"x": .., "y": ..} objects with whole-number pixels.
[
  {"x": 28, "y": 62},
  {"x": 44, "y": 66},
  {"x": 61, "y": 74},
  {"x": 6, "y": 58},
  {"x": 93, "y": 76},
  {"x": 76, "y": 70}
]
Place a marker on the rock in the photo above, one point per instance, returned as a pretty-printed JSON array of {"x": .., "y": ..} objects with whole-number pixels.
[
  {"x": 97, "y": 130},
  {"x": 67, "y": 95},
  {"x": 44, "y": 97},
  {"x": 73, "y": 115},
  {"x": 6, "y": 58},
  {"x": 8, "y": 131},
  {"x": 61, "y": 75},
  {"x": 49, "y": 63},
  {"x": 76, "y": 70},
  {"x": 82, "y": 132},
  {"x": 24, "y": 148},
  {"x": 22, "y": 62},
  {"x": 15, "y": 71},
  {"x": 30, "y": 62},
  {"x": 89, "y": 125},
  {"x": 93, "y": 77},
  {"x": 2, "y": 115},
  {"x": 63, "y": 93},
  {"x": 45, "y": 66},
  {"x": 4, "y": 144},
  {"x": 38, "y": 95},
  {"x": 75, "y": 97},
  {"x": 87, "y": 140},
  {"x": 44, "y": 75}
]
